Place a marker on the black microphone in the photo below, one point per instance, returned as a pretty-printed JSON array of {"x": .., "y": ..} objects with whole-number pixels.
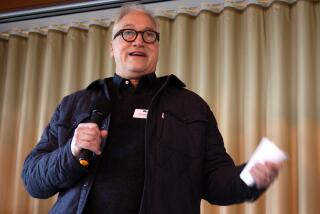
[{"x": 100, "y": 109}]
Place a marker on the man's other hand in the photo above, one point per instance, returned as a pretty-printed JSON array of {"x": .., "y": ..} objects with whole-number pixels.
[{"x": 265, "y": 174}]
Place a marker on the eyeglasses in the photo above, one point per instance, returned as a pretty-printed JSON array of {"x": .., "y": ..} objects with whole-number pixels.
[{"x": 129, "y": 35}]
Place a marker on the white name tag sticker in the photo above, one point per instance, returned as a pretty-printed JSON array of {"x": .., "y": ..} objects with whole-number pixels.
[{"x": 140, "y": 113}]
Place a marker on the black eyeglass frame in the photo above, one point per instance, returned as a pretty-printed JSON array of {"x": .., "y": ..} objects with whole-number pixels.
[{"x": 120, "y": 32}]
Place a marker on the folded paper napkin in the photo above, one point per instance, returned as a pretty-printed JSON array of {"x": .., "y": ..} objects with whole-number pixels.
[{"x": 266, "y": 151}]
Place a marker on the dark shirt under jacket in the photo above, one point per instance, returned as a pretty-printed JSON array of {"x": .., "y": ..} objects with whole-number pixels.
[{"x": 118, "y": 186}]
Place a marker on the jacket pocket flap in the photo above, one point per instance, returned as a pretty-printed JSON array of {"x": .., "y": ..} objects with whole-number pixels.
[{"x": 187, "y": 118}]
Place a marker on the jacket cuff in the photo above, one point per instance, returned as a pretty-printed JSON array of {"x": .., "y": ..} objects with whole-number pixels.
[
  {"x": 253, "y": 192},
  {"x": 72, "y": 165}
]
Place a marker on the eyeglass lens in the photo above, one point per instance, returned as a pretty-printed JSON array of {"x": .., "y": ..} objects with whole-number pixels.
[{"x": 147, "y": 36}]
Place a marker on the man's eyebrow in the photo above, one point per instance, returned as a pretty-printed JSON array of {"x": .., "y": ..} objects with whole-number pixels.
[
  {"x": 132, "y": 26},
  {"x": 128, "y": 25}
]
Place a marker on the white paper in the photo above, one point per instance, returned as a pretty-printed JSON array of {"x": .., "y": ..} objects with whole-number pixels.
[{"x": 266, "y": 151}]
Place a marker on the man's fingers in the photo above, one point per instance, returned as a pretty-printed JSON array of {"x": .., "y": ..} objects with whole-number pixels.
[
  {"x": 88, "y": 125},
  {"x": 90, "y": 146},
  {"x": 88, "y": 128},
  {"x": 87, "y": 136},
  {"x": 258, "y": 175},
  {"x": 274, "y": 166},
  {"x": 265, "y": 174},
  {"x": 103, "y": 133}
]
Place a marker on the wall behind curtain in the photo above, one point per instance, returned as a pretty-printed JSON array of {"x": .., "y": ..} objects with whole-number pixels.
[{"x": 258, "y": 69}]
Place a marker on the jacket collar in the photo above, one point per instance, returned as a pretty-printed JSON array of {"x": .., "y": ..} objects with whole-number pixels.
[
  {"x": 148, "y": 79},
  {"x": 170, "y": 80}
]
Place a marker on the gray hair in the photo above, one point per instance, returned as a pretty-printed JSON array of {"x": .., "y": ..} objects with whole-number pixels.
[{"x": 128, "y": 8}]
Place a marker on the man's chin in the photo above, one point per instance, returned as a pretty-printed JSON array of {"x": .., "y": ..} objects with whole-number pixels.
[
  {"x": 137, "y": 72},
  {"x": 134, "y": 73}
]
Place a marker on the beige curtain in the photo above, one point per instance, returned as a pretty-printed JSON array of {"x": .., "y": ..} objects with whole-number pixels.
[{"x": 258, "y": 68}]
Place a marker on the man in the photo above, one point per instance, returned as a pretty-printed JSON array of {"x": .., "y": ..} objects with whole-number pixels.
[{"x": 159, "y": 151}]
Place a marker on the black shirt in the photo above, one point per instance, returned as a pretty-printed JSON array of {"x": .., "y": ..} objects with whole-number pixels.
[{"x": 118, "y": 186}]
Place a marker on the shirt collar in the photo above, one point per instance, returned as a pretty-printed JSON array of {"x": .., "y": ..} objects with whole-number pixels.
[{"x": 145, "y": 81}]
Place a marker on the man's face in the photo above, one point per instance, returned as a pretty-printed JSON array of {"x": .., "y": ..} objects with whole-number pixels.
[{"x": 137, "y": 58}]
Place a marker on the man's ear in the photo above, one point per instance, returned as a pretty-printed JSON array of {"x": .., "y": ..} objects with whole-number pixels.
[{"x": 111, "y": 49}]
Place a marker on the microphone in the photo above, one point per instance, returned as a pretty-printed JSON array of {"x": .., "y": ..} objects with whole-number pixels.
[{"x": 101, "y": 109}]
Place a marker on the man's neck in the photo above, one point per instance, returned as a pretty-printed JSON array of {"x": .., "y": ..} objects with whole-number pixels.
[{"x": 134, "y": 82}]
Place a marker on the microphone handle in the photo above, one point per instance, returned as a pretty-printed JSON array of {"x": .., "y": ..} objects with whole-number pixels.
[
  {"x": 85, "y": 154},
  {"x": 85, "y": 157}
]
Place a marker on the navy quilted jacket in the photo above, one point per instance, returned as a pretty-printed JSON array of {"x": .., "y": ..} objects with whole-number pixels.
[{"x": 185, "y": 156}]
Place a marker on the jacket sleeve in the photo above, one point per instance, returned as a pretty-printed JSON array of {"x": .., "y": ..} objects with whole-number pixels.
[
  {"x": 222, "y": 184},
  {"x": 51, "y": 167}
]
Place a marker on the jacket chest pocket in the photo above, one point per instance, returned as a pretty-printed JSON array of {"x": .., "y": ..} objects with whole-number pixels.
[{"x": 185, "y": 135}]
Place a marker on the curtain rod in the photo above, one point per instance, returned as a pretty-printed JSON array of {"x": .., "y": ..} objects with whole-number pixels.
[{"x": 67, "y": 9}]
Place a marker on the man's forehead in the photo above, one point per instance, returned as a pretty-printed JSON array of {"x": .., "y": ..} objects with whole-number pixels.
[
  {"x": 131, "y": 20},
  {"x": 142, "y": 27}
]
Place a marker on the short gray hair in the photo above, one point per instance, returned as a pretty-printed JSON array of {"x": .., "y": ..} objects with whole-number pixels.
[{"x": 128, "y": 8}]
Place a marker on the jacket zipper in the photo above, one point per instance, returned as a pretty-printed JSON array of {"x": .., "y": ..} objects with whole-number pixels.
[
  {"x": 84, "y": 192},
  {"x": 142, "y": 204}
]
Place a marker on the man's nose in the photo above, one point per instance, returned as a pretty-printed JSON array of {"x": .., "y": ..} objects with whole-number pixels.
[{"x": 139, "y": 40}]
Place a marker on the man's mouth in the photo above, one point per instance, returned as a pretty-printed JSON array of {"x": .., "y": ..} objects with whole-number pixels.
[{"x": 137, "y": 53}]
